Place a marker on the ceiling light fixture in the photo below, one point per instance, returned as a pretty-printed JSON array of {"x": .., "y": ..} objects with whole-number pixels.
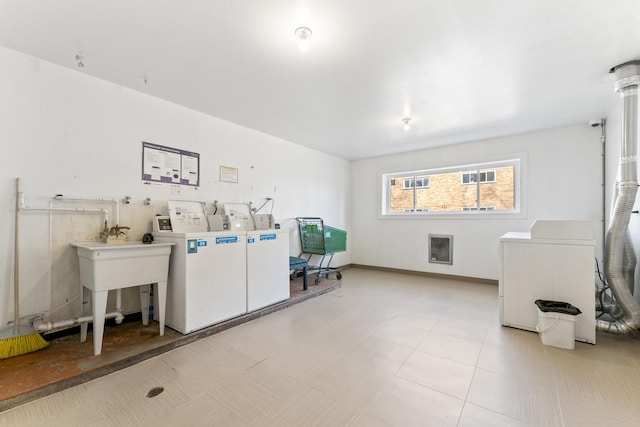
[
  {"x": 303, "y": 34},
  {"x": 406, "y": 121},
  {"x": 80, "y": 59}
]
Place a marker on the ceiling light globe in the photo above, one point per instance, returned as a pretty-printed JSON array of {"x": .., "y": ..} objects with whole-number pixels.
[{"x": 303, "y": 34}]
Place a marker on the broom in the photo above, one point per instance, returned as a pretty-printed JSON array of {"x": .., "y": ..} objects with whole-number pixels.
[{"x": 24, "y": 339}]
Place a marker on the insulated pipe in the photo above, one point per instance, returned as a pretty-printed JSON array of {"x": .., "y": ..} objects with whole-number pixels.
[
  {"x": 618, "y": 252},
  {"x": 42, "y": 326}
]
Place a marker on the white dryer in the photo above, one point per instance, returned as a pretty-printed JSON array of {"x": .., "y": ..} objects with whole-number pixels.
[{"x": 267, "y": 268}]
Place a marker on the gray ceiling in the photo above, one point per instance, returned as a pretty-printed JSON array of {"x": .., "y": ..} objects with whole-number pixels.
[{"x": 462, "y": 69}]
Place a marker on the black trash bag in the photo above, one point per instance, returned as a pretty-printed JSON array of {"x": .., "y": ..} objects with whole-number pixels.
[{"x": 557, "y": 307}]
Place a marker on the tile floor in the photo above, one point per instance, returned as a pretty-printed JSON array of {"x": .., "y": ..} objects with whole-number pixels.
[
  {"x": 67, "y": 361},
  {"x": 385, "y": 349}
]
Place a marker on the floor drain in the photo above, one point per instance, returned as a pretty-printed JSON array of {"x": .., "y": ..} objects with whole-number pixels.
[{"x": 155, "y": 391}]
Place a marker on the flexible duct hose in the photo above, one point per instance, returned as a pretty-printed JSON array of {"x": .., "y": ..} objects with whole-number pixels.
[
  {"x": 629, "y": 262},
  {"x": 614, "y": 259},
  {"x": 620, "y": 259}
]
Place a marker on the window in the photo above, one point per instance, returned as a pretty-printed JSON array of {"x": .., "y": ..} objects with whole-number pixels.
[
  {"x": 416, "y": 210},
  {"x": 481, "y": 208},
  {"x": 486, "y": 188},
  {"x": 485, "y": 176},
  {"x": 421, "y": 182}
]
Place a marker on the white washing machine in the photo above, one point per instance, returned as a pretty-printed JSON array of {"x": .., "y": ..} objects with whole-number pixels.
[
  {"x": 267, "y": 267},
  {"x": 207, "y": 270},
  {"x": 207, "y": 282}
]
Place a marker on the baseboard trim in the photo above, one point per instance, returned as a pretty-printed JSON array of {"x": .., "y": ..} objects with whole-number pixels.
[{"x": 424, "y": 273}]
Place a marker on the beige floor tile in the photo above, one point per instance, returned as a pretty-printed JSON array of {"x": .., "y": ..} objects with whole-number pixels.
[
  {"x": 579, "y": 412},
  {"x": 201, "y": 411},
  {"x": 301, "y": 360},
  {"x": 311, "y": 408},
  {"x": 210, "y": 361},
  {"x": 379, "y": 309},
  {"x": 365, "y": 420},
  {"x": 606, "y": 382},
  {"x": 475, "y": 416},
  {"x": 418, "y": 318},
  {"x": 72, "y": 400},
  {"x": 61, "y": 409},
  {"x": 530, "y": 402},
  {"x": 407, "y": 404},
  {"x": 516, "y": 340},
  {"x": 504, "y": 360},
  {"x": 350, "y": 381},
  {"x": 444, "y": 375},
  {"x": 128, "y": 402},
  {"x": 379, "y": 354},
  {"x": 255, "y": 392},
  {"x": 449, "y": 347},
  {"x": 340, "y": 341},
  {"x": 461, "y": 328},
  {"x": 88, "y": 417},
  {"x": 399, "y": 332},
  {"x": 358, "y": 321}
]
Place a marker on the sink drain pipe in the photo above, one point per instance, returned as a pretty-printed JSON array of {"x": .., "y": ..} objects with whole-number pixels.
[{"x": 41, "y": 326}]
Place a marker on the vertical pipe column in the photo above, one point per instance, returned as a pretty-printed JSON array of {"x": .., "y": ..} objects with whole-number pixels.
[{"x": 618, "y": 259}]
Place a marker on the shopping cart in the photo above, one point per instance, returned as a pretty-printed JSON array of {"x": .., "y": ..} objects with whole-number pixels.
[{"x": 319, "y": 239}]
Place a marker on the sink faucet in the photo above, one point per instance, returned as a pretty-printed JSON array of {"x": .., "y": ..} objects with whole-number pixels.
[{"x": 116, "y": 231}]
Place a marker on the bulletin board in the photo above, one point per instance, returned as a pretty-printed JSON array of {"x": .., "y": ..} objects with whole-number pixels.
[{"x": 170, "y": 165}]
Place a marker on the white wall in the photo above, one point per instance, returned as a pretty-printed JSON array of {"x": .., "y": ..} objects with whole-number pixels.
[
  {"x": 562, "y": 180},
  {"x": 64, "y": 132}
]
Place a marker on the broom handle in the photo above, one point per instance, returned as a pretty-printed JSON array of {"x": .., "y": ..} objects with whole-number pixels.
[{"x": 16, "y": 264}]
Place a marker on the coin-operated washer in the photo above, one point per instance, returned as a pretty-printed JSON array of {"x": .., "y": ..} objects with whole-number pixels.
[
  {"x": 267, "y": 256},
  {"x": 207, "y": 271}
]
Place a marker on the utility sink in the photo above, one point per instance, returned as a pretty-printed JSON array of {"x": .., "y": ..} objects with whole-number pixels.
[{"x": 104, "y": 267}]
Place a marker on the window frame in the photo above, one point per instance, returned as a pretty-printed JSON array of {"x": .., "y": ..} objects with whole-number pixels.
[
  {"x": 479, "y": 172},
  {"x": 481, "y": 208},
  {"x": 415, "y": 180},
  {"x": 518, "y": 162}
]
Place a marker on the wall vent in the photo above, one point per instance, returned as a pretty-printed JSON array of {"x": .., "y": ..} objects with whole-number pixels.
[{"x": 441, "y": 248}]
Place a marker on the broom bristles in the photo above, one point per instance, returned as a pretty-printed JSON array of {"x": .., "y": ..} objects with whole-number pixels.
[{"x": 23, "y": 344}]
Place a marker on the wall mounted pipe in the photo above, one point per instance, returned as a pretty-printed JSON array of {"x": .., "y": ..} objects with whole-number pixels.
[
  {"x": 115, "y": 202},
  {"x": 24, "y": 207},
  {"x": 41, "y": 326},
  {"x": 603, "y": 140},
  {"x": 619, "y": 256}
]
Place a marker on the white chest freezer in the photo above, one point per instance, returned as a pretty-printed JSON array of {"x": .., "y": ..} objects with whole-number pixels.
[
  {"x": 267, "y": 268},
  {"x": 555, "y": 261}
]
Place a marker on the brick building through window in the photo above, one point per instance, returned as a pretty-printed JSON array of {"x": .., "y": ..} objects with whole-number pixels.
[{"x": 490, "y": 189}]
